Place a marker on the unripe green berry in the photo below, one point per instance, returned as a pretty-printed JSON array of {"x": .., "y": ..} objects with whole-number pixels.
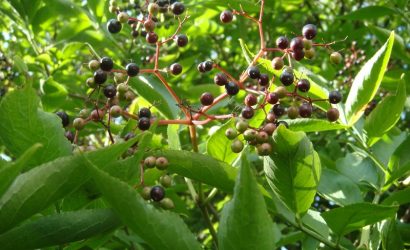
[
  {"x": 84, "y": 113},
  {"x": 94, "y": 65},
  {"x": 336, "y": 58},
  {"x": 115, "y": 111},
  {"x": 129, "y": 95},
  {"x": 293, "y": 112},
  {"x": 161, "y": 163},
  {"x": 241, "y": 126},
  {"x": 78, "y": 123},
  {"x": 281, "y": 91},
  {"x": 288, "y": 69},
  {"x": 153, "y": 8},
  {"x": 167, "y": 203},
  {"x": 278, "y": 63},
  {"x": 310, "y": 53},
  {"x": 122, "y": 17},
  {"x": 150, "y": 162},
  {"x": 146, "y": 193},
  {"x": 165, "y": 180},
  {"x": 231, "y": 133},
  {"x": 122, "y": 88},
  {"x": 307, "y": 44},
  {"x": 237, "y": 146},
  {"x": 120, "y": 78},
  {"x": 91, "y": 83},
  {"x": 112, "y": 9},
  {"x": 250, "y": 134}
]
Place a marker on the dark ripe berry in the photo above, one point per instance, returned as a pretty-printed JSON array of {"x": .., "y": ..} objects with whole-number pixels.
[
  {"x": 157, "y": 193},
  {"x": 286, "y": 78},
  {"x": 282, "y": 42},
  {"x": 207, "y": 99},
  {"x": 201, "y": 68},
  {"x": 97, "y": 115},
  {"x": 106, "y": 64},
  {"x": 177, "y": 8},
  {"x": 150, "y": 162},
  {"x": 100, "y": 77},
  {"x": 309, "y": 31},
  {"x": 132, "y": 69},
  {"x": 129, "y": 136},
  {"x": 232, "y": 88},
  {"x": 207, "y": 65},
  {"x": 282, "y": 123},
  {"x": 247, "y": 112},
  {"x": 69, "y": 135},
  {"x": 250, "y": 100},
  {"x": 298, "y": 55},
  {"x": 236, "y": 146},
  {"x": 65, "y": 120},
  {"x": 220, "y": 79},
  {"x": 144, "y": 112},
  {"x": 335, "y": 97},
  {"x": 278, "y": 110},
  {"x": 293, "y": 112},
  {"x": 151, "y": 37},
  {"x": 134, "y": 33},
  {"x": 149, "y": 25},
  {"x": 296, "y": 44},
  {"x": 181, "y": 40},
  {"x": 264, "y": 149},
  {"x": 303, "y": 85},
  {"x": 272, "y": 98},
  {"x": 277, "y": 63},
  {"x": 114, "y": 26},
  {"x": 336, "y": 58},
  {"x": 144, "y": 33},
  {"x": 253, "y": 72},
  {"x": 263, "y": 80},
  {"x": 269, "y": 128},
  {"x": 332, "y": 114},
  {"x": 161, "y": 163},
  {"x": 367, "y": 111},
  {"x": 305, "y": 110},
  {"x": 226, "y": 16},
  {"x": 175, "y": 68},
  {"x": 110, "y": 91},
  {"x": 271, "y": 117},
  {"x": 144, "y": 123}
]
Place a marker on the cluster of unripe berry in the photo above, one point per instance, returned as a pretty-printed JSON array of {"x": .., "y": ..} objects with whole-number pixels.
[{"x": 157, "y": 193}]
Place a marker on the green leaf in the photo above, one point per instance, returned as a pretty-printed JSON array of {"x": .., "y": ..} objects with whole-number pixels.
[
  {"x": 399, "y": 163},
  {"x": 313, "y": 125},
  {"x": 54, "y": 94},
  {"x": 11, "y": 171},
  {"x": 219, "y": 146},
  {"x": 398, "y": 197},
  {"x": 60, "y": 229},
  {"x": 367, "y": 82},
  {"x": 173, "y": 136},
  {"x": 346, "y": 219},
  {"x": 293, "y": 169},
  {"x": 245, "y": 222},
  {"x": 369, "y": 12},
  {"x": 23, "y": 125},
  {"x": 201, "y": 168},
  {"x": 387, "y": 112},
  {"x": 160, "y": 229},
  {"x": 390, "y": 235},
  {"x": 338, "y": 188},
  {"x": 40, "y": 187}
]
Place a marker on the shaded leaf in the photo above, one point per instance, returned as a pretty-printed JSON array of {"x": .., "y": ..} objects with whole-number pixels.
[
  {"x": 369, "y": 12},
  {"x": 313, "y": 125},
  {"x": 219, "y": 146}
]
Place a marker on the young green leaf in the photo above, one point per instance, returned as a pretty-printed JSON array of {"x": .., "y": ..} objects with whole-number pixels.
[
  {"x": 11, "y": 171},
  {"x": 293, "y": 170},
  {"x": 313, "y": 125},
  {"x": 398, "y": 197},
  {"x": 346, "y": 219},
  {"x": 245, "y": 222},
  {"x": 390, "y": 235},
  {"x": 399, "y": 163},
  {"x": 23, "y": 125},
  {"x": 201, "y": 168},
  {"x": 338, "y": 188},
  {"x": 160, "y": 229},
  {"x": 369, "y": 12},
  {"x": 387, "y": 112},
  {"x": 40, "y": 187},
  {"x": 60, "y": 229},
  {"x": 367, "y": 82}
]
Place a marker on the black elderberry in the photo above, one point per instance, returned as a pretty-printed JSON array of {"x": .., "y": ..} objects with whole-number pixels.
[
  {"x": 232, "y": 88},
  {"x": 296, "y": 44},
  {"x": 177, "y": 8},
  {"x": 106, "y": 64},
  {"x": 181, "y": 40},
  {"x": 247, "y": 112},
  {"x": 100, "y": 77},
  {"x": 220, "y": 79},
  {"x": 144, "y": 123},
  {"x": 207, "y": 99},
  {"x": 305, "y": 110},
  {"x": 157, "y": 193},
  {"x": 110, "y": 91},
  {"x": 144, "y": 112},
  {"x": 278, "y": 110},
  {"x": 175, "y": 68},
  {"x": 335, "y": 97},
  {"x": 263, "y": 80},
  {"x": 253, "y": 72},
  {"x": 286, "y": 78},
  {"x": 332, "y": 114},
  {"x": 303, "y": 85},
  {"x": 151, "y": 37},
  {"x": 226, "y": 16},
  {"x": 65, "y": 119},
  {"x": 132, "y": 69},
  {"x": 282, "y": 42},
  {"x": 114, "y": 26},
  {"x": 309, "y": 31}
]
